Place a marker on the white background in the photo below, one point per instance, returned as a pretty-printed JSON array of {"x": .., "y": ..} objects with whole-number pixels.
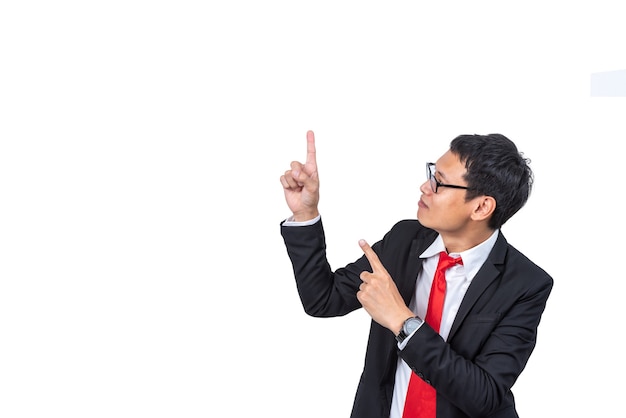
[{"x": 141, "y": 145}]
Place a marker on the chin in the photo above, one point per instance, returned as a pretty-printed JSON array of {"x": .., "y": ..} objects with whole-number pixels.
[{"x": 423, "y": 219}]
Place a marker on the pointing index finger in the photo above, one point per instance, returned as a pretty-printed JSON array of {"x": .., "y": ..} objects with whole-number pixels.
[
  {"x": 371, "y": 256},
  {"x": 310, "y": 149}
]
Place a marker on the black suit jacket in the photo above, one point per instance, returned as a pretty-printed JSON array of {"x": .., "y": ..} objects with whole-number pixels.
[{"x": 491, "y": 338}]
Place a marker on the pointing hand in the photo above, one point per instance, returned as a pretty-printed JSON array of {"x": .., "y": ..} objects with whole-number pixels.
[
  {"x": 379, "y": 295},
  {"x": 301, "y": 184}
]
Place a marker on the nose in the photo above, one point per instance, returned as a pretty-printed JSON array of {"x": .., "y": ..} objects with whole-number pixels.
[{"x": 425, "y": 188}]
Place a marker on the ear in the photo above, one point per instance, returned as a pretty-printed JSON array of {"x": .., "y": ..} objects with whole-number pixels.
[{"x": 485, "y": 205}]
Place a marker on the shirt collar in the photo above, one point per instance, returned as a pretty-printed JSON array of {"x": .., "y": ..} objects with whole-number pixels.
[{"x": 473, "y": 258}]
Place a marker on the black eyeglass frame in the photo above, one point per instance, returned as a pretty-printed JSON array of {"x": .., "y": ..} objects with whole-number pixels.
[{"x": 434, "y": 183}]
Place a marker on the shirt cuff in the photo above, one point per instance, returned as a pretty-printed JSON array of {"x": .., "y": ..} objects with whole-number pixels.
[
  {"x": 290, "y": 222},
  {"x": 406, "y": 340}
]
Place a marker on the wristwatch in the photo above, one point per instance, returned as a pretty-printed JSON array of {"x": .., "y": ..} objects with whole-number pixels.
[{"x": 410, "y": 325}]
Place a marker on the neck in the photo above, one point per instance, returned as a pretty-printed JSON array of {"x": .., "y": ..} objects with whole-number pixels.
[{"x": 456, "y": 243}]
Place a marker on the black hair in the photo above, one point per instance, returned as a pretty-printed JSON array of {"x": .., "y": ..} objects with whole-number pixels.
[{"x": 495, "y": 168}]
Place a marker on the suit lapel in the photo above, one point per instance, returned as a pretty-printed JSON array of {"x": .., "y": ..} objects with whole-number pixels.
[
  {"x": 485, "y": 276},
  {"x": 414, "y": 265}
]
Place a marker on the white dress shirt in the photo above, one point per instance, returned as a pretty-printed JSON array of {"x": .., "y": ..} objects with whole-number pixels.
[{"x": 458, "y": 279}]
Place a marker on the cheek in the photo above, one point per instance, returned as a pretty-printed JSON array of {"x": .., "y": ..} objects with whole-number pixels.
[
  {"x": 444, "y": 214},
  {"x": 457, "y": 215}
]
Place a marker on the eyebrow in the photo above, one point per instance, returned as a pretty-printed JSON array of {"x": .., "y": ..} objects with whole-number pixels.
[{"x": 441, "y": 174}]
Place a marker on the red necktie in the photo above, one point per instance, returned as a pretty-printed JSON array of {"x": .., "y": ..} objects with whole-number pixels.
[{"x": 421, "y": 398}]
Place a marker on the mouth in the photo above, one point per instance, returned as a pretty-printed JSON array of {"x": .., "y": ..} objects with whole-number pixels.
[{"x": 421, "y": 204}]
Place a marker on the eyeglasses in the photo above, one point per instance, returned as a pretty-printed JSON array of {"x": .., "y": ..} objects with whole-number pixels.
[{"x": 434, "y": 184}]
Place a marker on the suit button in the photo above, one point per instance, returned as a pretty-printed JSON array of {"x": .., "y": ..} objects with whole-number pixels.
[{"x": 420, "y": 375}]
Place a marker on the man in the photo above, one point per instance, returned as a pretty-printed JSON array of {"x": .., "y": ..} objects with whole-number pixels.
[{"x": 446, "y": 341}]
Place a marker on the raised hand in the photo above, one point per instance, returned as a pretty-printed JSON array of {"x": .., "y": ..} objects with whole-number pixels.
[
  {"x": 301, "y": 184},
  {"x": 379, "y": 294}
]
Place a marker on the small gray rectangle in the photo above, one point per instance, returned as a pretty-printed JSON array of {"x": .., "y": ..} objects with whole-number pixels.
[{"x": 609, "y": 84}]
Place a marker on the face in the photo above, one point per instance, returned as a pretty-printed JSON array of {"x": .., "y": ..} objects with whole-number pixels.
[{"x": 446, "y": 211}]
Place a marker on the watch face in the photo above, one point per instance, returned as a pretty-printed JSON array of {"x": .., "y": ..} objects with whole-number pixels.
[{"x": 411, "y": 325}]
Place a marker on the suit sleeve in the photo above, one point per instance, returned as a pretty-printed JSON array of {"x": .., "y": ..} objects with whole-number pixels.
[{"x": 323, "y": 292}]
